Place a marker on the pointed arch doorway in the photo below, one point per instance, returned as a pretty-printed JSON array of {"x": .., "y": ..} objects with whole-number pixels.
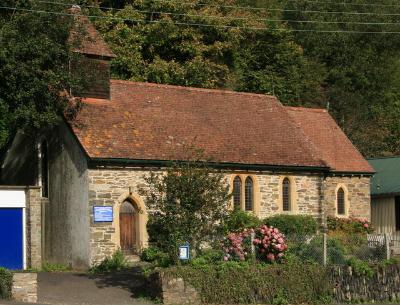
[{"x": 127, "y": 227}]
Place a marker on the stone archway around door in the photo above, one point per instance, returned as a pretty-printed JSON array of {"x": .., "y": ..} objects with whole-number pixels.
[
  {"x": 127, "y": 227},
  {"x": 130, "y": 229}
]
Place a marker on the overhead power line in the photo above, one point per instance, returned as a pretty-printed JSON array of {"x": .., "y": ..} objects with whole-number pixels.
[
  {"x": 198, "y": 24},
  {"x": 273, "y": 9},
  {"x": 244, "y": 7},
  {"x": 228, "y": 17},
  {"x": 347, "y": 3}
]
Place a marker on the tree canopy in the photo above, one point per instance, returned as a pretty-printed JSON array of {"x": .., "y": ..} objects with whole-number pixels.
[
  {"x": 187, "y": 203},
  {"x": 307, "y": 53},
  {"x": 34, "y": 58}
]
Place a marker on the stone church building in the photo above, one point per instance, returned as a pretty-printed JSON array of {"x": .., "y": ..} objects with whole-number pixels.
[{"x": 276, "y": 159}]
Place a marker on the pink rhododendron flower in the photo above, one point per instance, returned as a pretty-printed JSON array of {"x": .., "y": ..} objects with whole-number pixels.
[{"x": 270, "y": 256}]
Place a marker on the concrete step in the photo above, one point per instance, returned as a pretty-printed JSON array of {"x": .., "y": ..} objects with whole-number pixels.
[{"x": 131, "y": 259}]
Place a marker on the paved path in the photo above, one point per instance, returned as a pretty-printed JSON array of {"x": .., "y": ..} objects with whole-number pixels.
[{"x": 123, "y": 288}]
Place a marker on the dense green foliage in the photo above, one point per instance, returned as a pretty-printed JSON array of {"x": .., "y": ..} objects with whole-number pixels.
[
  {"x": 5, "y": 283},
  {"x": 155, "y": 256},
  {"x": 271, "y": 47},
  {"x": 190, "y": 203},
  {"x": 114, "y": 263},
  {"x": 356, "y": 75},
  {"x": 34, "y": 76},
  {"x": 152, "y": 47},
  {"x": 300, "y": 225},
  {"x": 238, "y": 220},
  {"x": 245, "y": 283}
]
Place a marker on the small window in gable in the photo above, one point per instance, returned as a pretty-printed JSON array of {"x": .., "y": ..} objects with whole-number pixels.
[
  {"x": 237, "y": 192},
  {"x": 248, "y": 194},
  {"x": 286, "y": 200},
  {"x": 341, "y": 209}
]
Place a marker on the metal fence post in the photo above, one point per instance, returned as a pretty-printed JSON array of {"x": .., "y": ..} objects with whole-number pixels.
[
  {"x": 253, "y": 248},
  {"x": 387, "y": 245},
  {"x": 325, "y": 249}
]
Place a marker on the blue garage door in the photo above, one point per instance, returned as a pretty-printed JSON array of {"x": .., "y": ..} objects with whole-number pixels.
[{"x": 11, "y": 238}]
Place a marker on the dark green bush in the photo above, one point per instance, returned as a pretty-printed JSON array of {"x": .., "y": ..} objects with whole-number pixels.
[
  {"x": 239, "y": 220},
  {"x": 5, "y": 283},
  {"x": 349, "y": 225},
  {"x": 361, "y": 268},
  {"x": 247, "y": 283},
  {"x": 116, "y": 262},
  {"x": 156, "y": 256},
  {"x": 150, "y": 254},
  {"x": 293, "y": 224},
  {"x": 208, "y": 256},
  {"x": 311, "y": 251}
]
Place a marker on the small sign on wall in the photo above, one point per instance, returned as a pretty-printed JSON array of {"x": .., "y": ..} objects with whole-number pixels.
[
  {"x": 103, "y": 213},
  {"x": 184, "y": 252}
]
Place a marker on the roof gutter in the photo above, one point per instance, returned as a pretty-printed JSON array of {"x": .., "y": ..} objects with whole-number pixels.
[
  {"x": 385, "y": 195},
  {"x": 95, "y": 162},
  {"x": 336, "y": 173}
]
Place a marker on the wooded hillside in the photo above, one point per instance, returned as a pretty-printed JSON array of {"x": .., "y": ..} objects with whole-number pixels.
[{"x": 343, "y": 56}]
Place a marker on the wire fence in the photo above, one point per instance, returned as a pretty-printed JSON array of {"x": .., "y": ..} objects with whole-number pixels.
[{"x": 333, "y": 249}]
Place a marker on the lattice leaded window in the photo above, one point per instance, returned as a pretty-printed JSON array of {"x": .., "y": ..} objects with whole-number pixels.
[
  {"x": 237, "y": 192},
  {"x": 248, "y": 194},
  {"x": 286, "y": 195},
  {"x": 340, "y": 202}
]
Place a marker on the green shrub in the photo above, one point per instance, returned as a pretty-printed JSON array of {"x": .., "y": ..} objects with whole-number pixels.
[
  {"x": 5, "y": 283},
  {"x": 156, "y": 256},
  {"x": 248, "y": 283},
  {"x": 349, "y": 225},
  {"x": 54, "y": 267},
  {"x": 149, "y": 254},
  {"x": 361, "y": 268},
  {"x": 207, "y": 257},
  {"x": 293, "y": 224},
  {"x": 311, "y": 251},
  {"x": 239, "y": 220},
  {"x": 211, "y": 255},
  {"x": 116, "y": 262}
]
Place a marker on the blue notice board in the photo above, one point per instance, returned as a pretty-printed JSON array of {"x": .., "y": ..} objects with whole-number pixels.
[{"x": 103, "y": 213}]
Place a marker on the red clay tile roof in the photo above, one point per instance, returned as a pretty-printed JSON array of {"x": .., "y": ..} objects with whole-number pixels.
[
  {"x": 331, "y": 142},
  {"x": 155, "y": 122},
  {"x": 89, "y": 40}
]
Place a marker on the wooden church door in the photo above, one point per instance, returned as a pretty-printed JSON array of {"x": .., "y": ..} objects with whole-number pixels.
[{"x": 127, "y": 228}]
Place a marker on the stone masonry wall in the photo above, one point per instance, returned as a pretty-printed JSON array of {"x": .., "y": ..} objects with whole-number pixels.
[
  {"x": 172, "y": 290},
  {"x": 34, "y": 227},
  {"x": 358, "y": 195},
  {"x": 346, "y": 287},
  {"x": 383, "y": 286},
  {"x": 24, "y": 287},
  {"x": 111, "y": 187},
  {"x": 307, "y": 193}
]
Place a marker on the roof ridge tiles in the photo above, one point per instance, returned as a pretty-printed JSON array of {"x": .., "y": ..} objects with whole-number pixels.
[
  {"x": 195, "y": 89},
  {"x": 297, "y": 108}
]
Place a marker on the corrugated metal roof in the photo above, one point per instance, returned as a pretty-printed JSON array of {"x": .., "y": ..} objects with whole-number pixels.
[{"x": 387, "y": 178}]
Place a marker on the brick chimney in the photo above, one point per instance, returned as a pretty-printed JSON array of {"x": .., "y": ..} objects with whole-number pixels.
[{"x": 93, "y": 64}]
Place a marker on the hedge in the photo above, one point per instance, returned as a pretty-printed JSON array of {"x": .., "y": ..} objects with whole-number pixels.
[
  {"x": 5, "y": 283},
  {"x": 234, "y": 283},
  {"x": 293, "y": 224}
]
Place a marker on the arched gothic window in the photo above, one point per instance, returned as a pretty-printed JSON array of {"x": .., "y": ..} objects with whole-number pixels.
[
  {"x": 286, "y": 200},
  {"x": 248, "y": 194},
  {"x": 237, "y": 192},
  {"x": 341, "y": 209}
]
